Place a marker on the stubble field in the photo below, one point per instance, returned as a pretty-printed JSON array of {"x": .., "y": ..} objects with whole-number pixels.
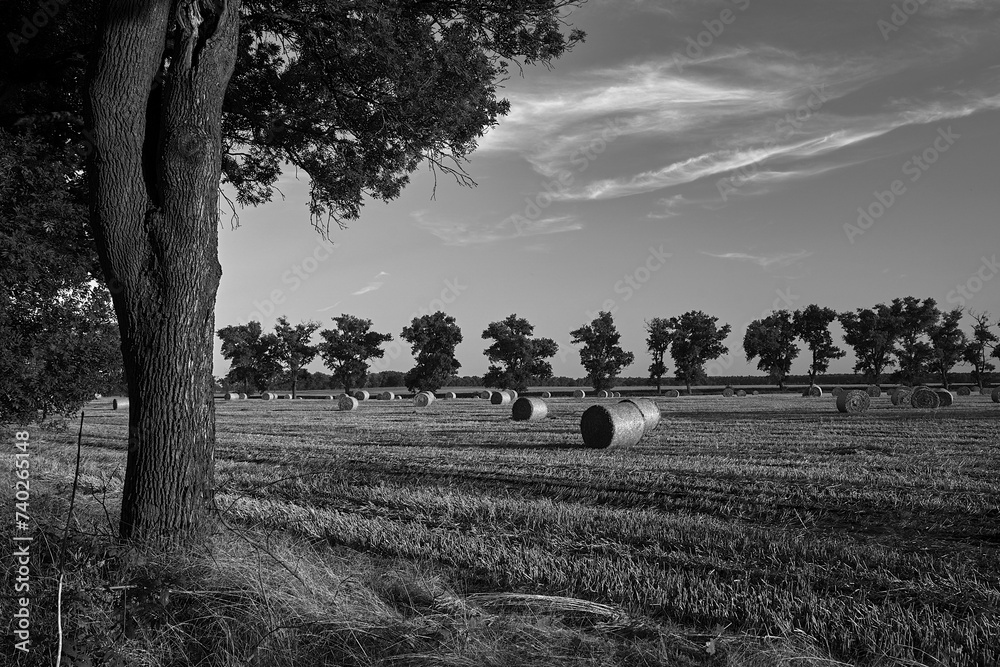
[{"x": 878, "y": 536}]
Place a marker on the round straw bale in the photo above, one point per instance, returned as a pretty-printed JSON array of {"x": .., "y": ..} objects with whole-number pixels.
[
  {"x": 328, "y": 397},
  {"x": 579, "y": 393},
  {"x": 451, "y": 394},
  {"x": 985, "y": 391},
  {"x": 874, "y": 390},
  {"x": 964, "y": 391},
  {"x": 485, "y": 394},
  {"x": 232, "y": 396},
  {"x": 399, "y": 397},
  {"x": 755, "y": 392},
  {"x": 741, "y": 393},
  {"x": 97, "y": 396},
  {"x": 648, "y": 408},
  {"x": 924, "y": 398},
  {"x": 347, "y": 403},
  {"x": 837, "y": 391},
  {"x": 268, "y": 395},
  {"x": 853, "y": 401},
  {"x": 612, "y": 425},
  {"x": 945, "y": 397},
  {"x": 728, "y": 392},
  {"x": 546, "y": 394},
  {"x": 603, "y": 394},
  {"x": 995, "y": 395},
  {"x": 243, "y": 397},
  {"x": 901, "y": 396},
  {"x": 814, "y": 390},
  {"x": 361, "y": 395},
  {"x": 387, "y": 396},
  {"x": 513, "y": 394},
  {"x": 499, "y": 398},
  {"x": 672, "y": 393},
  {"x": 423, "y": 399},
  {"x": 617, "y": 394},
  {"x": 528, "y": 409},
  {"x": 119, "y": 403}
]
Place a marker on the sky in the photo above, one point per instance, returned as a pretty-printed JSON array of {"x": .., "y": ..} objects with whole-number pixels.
[{"x": 728, "y": 156}]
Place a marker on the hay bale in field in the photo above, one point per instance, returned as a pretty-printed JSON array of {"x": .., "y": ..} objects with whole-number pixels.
[
  {"x": 98, "y": 396},
  {"x": 399, "y": 397},
  {"x": 945, "y": 397},
  {"x": 854, "y": 401},
  {"x": 546, "y": 394},
  {"x": 728, "y": 392},
  {"x": 451, "y": 395},
  {"x": 513, "y": 394},
  {"x": 499, "y": 398},
  {"x": 650, "y": 411},
  {"x": 423, "y": 399},
  {"x": 232, "y": 396},
  {"x": 985, "y": 391},
  {"x": 612, "y": 425},
  {"x": 243, "y": 397},
  {"x": 755, "y": 392},
  {"x": 874, "y": 391},
  {"x": 387, "y": 396},
  {"x": 901, "y": 396},
  {"x": 924, "y": 398},
  {"x": 347, "y": 403},
  {"x": 837, "y": 391},
  {"x": 616, "y": 394},
  {"x": 741, "y": 393},
  {"x": 814, "y": 391},
  {"x": 672, "y": 393},
  {"x": 268, "y": 395},
  {"x": 328, "y": 397},
  {"x": 579, "y": 393},
  {"x": 361, "y": 395},
  {"x": 603, "y": 394},
  {"x": 528, "y": 409},
  {"x": 995, "y": 395},
  {"x": 119, "y": 403},
  {"x": 486, "y": 394},
  {"x": 964, "y": 391}
]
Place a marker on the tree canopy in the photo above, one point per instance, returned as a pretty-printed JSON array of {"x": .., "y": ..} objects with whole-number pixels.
[
  {"x": 515, "y": 357},
  {"x": 658, "y": 339},
  {"x": 697, "y": 339},
  {"x": 601, "y": 355},
  {"x": 433, "y": 339},
  {"x": 771, "y": 340},
  {"x": 812, "y": 325},
  {"x": 254, "y": 356},
  {"x": 347, "y": 348}
]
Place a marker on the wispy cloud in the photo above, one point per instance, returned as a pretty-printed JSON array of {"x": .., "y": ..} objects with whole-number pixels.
[
  {"x": 459, "y": 233},
  {"x": 375, "y": 284},
  {"x": 779, "y": 260}
]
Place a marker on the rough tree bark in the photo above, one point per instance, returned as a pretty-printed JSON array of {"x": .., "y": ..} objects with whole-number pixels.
[{"x": 154, "y": 109}]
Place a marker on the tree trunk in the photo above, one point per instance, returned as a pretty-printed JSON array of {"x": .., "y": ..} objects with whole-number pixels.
[{"x": 154, "y": 175}]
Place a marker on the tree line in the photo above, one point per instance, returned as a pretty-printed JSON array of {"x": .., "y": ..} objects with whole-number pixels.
[{"x": 911, "y": 335}]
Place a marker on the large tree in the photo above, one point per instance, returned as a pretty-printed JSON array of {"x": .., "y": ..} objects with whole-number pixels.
[
  {"x": 948, "y": 343},
  {"x": 771, "y": 340},
  {"x": 697, "y": 340},
  {"x": 981, "y": 347},
  {"x": 433, "y": 339},
  {"x": 254, "y": 356},
  {"x": 295, "y": 350},
  {"x": 872, "y": 333},
  {"x": 658, "y": 340},
  {"x": 601, "y": 355},
  {"x": 913, "y": 350},
  {"x": 812, "y": 325},
  {"x": 515, "y": 357},
  {"x": 183, "y": 94},
  {"x": 347, "y": 348}
]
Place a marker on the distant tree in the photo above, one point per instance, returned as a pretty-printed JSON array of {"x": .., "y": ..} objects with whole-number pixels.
[
  {"x": 601, "y": 356},
  {"x": 253, "y": 355},
  {"x": 772, "y": 341},
  {"x": 294, "y": 348},
  {"x": 913, "y": 350},
  {"x": 658, "y": 340},
  {"x": 948, "y": 343},
  {"x": 872, "y": 333},
  {"x": 812, "y": 325},
  {"x": 982, "y": 346},
  {"x": 696, "y": 341},
  {"x": 433, "y": 339},
  {"x": 347, "y": 348},
  {"x": 515, "y": 357},
  {"x": 59, "y": 340}
]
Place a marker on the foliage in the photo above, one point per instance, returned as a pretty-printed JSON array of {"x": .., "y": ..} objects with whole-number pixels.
[
  {"x": 914, "y": 352},
  {"x": 772, "y": 340},
  {"x": 984, "y": 344},
  {"x": 812, "y": 325},
  {"x": 347, "y": 348},
  {"x": 948, "y": 343},
  {"x": 696, "y": 340},
  {"x": 873, "y": 333},
  {"x": 294, "y": 349},
  {"x": 515, "y": 357},
  {"x": 659, "y": 336},
  {"x": 255, "y": 357},
  {"x": 433, "y": 339},
  {"x": 601, "y": 356},
  {"x": 60, "y": 338}
]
